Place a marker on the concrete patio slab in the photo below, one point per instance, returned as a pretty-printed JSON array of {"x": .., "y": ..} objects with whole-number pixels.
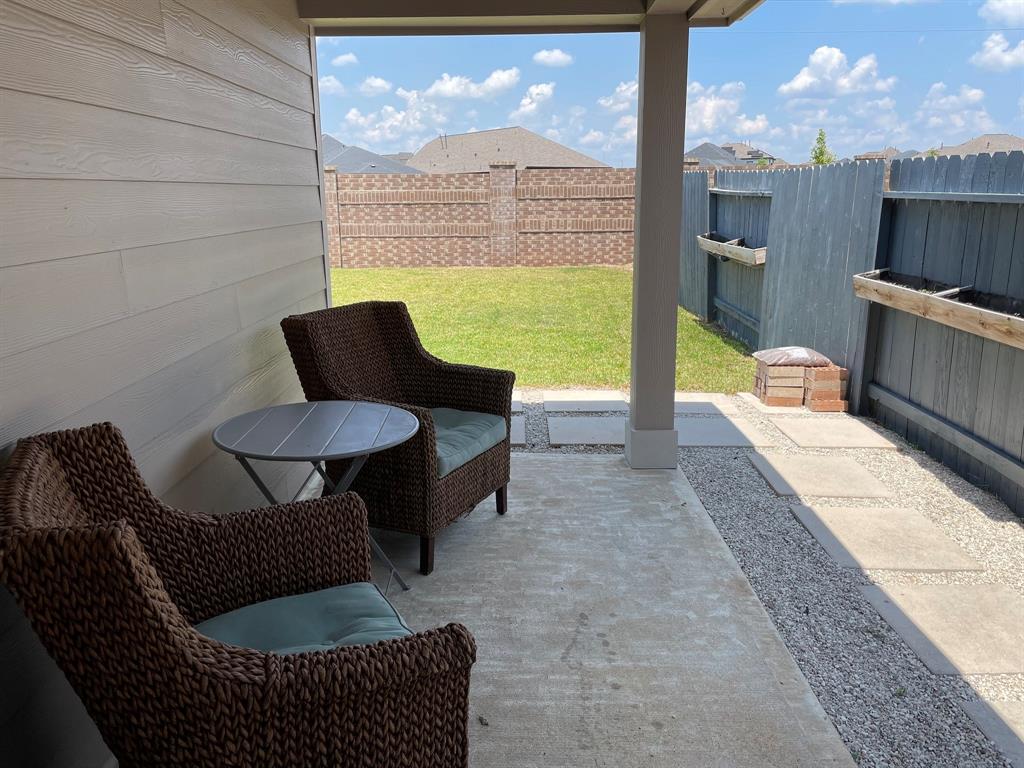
[
  {"x": 613, "y": 628},
  {"x": 587, "y": 430},
  {"x": 1003, "y": 723},
  {"x": 883, "y": 538},
  {"x": 584, "y": 400},
  {"x": 957, "y": 628},
  {"x": 705, "y": 404},
  {"x": 518, "y": 431},
  {"x": 751, "y": 399},
  {"x": 831, "y": 432},
  {"x": 839, "y": 476},
  {"x": 719, "y": 432},
  {"x": 517, "y": 401}
]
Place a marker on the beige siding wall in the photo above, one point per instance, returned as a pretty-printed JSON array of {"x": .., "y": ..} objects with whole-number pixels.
[{"x": 159, "y": 213}]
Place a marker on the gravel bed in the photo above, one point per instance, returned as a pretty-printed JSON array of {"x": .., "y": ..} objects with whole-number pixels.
[
  {"x": 890, "y": 710},
  {"x": 888, "y": 707}
]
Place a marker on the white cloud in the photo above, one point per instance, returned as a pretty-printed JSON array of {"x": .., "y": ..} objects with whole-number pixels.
[
  {"x": 536, "y": 95},
  {"x": 752, "y": 126},
  {"x": 1008, "y": 12},
  {"x": 462, "y": 87},
  {"x": 345, "y": 60},
  {"x": 375, "y": 86},
  {"x": 391, "y": 128},
  {"x": 622, "y": 98},
  {"x": 331, "y": 85},
  {"x": 958, "y": 112},
  {"x": 828, "y": 73},
  {"x": 997, "y": 55},
  {"x": 592, "y": 138},
  {"x": 712, "y": 108},
  {"x": 552, "y": 57}
]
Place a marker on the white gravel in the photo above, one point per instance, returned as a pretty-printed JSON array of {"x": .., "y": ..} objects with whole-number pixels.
[{"x": 888, "y": 707}]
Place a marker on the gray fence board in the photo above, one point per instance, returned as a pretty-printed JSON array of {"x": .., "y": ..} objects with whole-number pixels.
[
  {"x": 953, "y": 377},
  {"x": 693, "y": 263}
]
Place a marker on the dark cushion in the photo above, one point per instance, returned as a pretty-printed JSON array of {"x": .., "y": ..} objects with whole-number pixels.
[
  {"x": 352, "y": 614},
  {"x": 464, "y": 435}
]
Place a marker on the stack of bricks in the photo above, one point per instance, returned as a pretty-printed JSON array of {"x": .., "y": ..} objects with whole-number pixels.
[
  {"x": 825, "y": 389},
  {"x": 779, "y": 384}
]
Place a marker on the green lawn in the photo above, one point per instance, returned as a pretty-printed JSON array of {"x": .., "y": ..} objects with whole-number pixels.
[{"x": 555, "y": 327}]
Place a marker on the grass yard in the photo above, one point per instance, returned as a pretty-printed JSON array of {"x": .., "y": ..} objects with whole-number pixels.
[{"x": 555, "y": 327}]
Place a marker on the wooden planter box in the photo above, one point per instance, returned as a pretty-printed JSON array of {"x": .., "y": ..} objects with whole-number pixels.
[
  {"x": 992, "y": 317},
  {"x": 716, "y": 245}
]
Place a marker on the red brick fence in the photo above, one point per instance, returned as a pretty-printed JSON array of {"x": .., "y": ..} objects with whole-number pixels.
[{"x": 504, "y": 217}]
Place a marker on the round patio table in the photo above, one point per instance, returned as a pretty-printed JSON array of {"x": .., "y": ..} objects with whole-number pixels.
[{"x": 327, "y": 430}]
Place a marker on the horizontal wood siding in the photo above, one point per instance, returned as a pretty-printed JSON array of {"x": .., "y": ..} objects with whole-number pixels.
[
  {"x": 160, "y": 203},
  {"x": 974, "y": 384}
]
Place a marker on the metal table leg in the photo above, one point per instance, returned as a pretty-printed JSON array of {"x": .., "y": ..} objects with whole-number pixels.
[
  {"x": 343, "y": 485},
  {"x": 340, "y": 487}
]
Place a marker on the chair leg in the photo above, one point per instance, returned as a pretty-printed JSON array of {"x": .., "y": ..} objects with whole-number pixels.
[
  {"x": 501, "y": 499},
  {"x": 426, "y": 555}
]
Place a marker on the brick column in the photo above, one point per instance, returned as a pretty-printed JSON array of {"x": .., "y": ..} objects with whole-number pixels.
[
  {"x": 333, "y": 215},
  {"x": 503, "y": 214}
]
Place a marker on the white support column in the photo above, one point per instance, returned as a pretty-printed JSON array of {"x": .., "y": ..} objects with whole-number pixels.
[{"x": 650, "y": 433}]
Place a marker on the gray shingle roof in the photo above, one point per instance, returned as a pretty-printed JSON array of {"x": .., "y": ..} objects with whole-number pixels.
[
  {"x": 709, "y": 155},
  {"x": 474, "y": 152},
  {"x": 987, "y": 143},
  {"x": 348, "y": 159}
]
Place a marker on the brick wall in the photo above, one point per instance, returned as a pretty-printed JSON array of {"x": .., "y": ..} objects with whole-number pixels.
[{"x": 505, "y": 217}]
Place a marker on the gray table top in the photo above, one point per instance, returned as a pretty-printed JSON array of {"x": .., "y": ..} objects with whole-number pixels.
[{"x": 321, "y": 431}]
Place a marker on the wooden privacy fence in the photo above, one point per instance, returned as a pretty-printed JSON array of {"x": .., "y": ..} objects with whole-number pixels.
[{"x": 943, "y": 239}]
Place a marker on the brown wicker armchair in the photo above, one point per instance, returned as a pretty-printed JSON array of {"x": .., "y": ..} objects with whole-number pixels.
[
  {"x": 370, "y": 351},
  {"x": 112, "y": 581}
]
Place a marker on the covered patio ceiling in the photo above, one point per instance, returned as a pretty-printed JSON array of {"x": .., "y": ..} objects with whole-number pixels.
[{"x": 409, "y": 17}]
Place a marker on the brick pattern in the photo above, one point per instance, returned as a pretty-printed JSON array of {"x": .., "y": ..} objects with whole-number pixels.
[{"x": 532, "y": 217}]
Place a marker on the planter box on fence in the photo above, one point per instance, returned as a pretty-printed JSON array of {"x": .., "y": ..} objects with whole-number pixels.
[
  {"x": 999, "y": 318},
  {"x": 735, "y": 250}
]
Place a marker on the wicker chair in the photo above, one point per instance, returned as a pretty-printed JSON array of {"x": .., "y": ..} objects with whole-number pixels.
[
  {"x": 113, "y": 581},
  {"x": 370, "y": 351}
]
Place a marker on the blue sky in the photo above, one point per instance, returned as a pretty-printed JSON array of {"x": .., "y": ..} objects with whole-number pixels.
[{"x": 873, "y": 73}]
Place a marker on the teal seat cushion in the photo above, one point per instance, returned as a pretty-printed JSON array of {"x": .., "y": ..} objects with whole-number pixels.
[
  {"x": 464, "y": 435},
  {"x": 352, "y": 614}
]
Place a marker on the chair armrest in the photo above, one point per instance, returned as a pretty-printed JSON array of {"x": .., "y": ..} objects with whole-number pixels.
[
  {"x": 368, "y": 704},
  {"x": 466, "y": 387},
  {"x": 211, "y": 565}
]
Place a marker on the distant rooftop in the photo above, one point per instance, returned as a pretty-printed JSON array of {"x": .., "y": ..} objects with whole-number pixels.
[
  {"x": 985, "y": 144},
  {"x": 349, "y": 159},
  {"x": 474, "y": 152}
]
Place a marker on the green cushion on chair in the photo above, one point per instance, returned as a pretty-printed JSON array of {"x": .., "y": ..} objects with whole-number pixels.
[
  {"x": 464, "y": 435},
  {"x": 352, "y": 614}
]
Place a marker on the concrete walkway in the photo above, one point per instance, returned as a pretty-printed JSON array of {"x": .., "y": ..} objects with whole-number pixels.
[
  {"x": 855, "y": 481},
  {"x": 614, "y": 628}
]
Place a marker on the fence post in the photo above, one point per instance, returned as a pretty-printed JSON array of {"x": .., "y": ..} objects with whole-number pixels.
[
  {"x": 333, "y": 216},
  {"x": 503, "y": 178}
]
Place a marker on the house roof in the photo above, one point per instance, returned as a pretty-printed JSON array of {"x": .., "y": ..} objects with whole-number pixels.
[
  {"x": 708, "y": 155},
  {"x": 985, "y": 144},
  {"x": 474, "y": 152},
  {"x": 348, "y": 159},
  {"x": 746, "y": 152}
]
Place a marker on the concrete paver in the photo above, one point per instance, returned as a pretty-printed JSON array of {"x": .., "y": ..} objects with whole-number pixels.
[
  {"x": 883, "y": 538},
  {"x": 719, "y": 432},
  {"x": 831, "y": 432},
  {"x": 957, "y": 628},
  {"x": 799, "y": 475},
  {"x": 584, "y": 400}
]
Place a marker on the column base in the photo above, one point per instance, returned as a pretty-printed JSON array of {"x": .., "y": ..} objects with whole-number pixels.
[{"x": 652, "y": 448}]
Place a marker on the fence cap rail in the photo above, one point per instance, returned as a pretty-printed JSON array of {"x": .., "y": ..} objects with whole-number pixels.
[{"x": 1008, "y": 198}]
